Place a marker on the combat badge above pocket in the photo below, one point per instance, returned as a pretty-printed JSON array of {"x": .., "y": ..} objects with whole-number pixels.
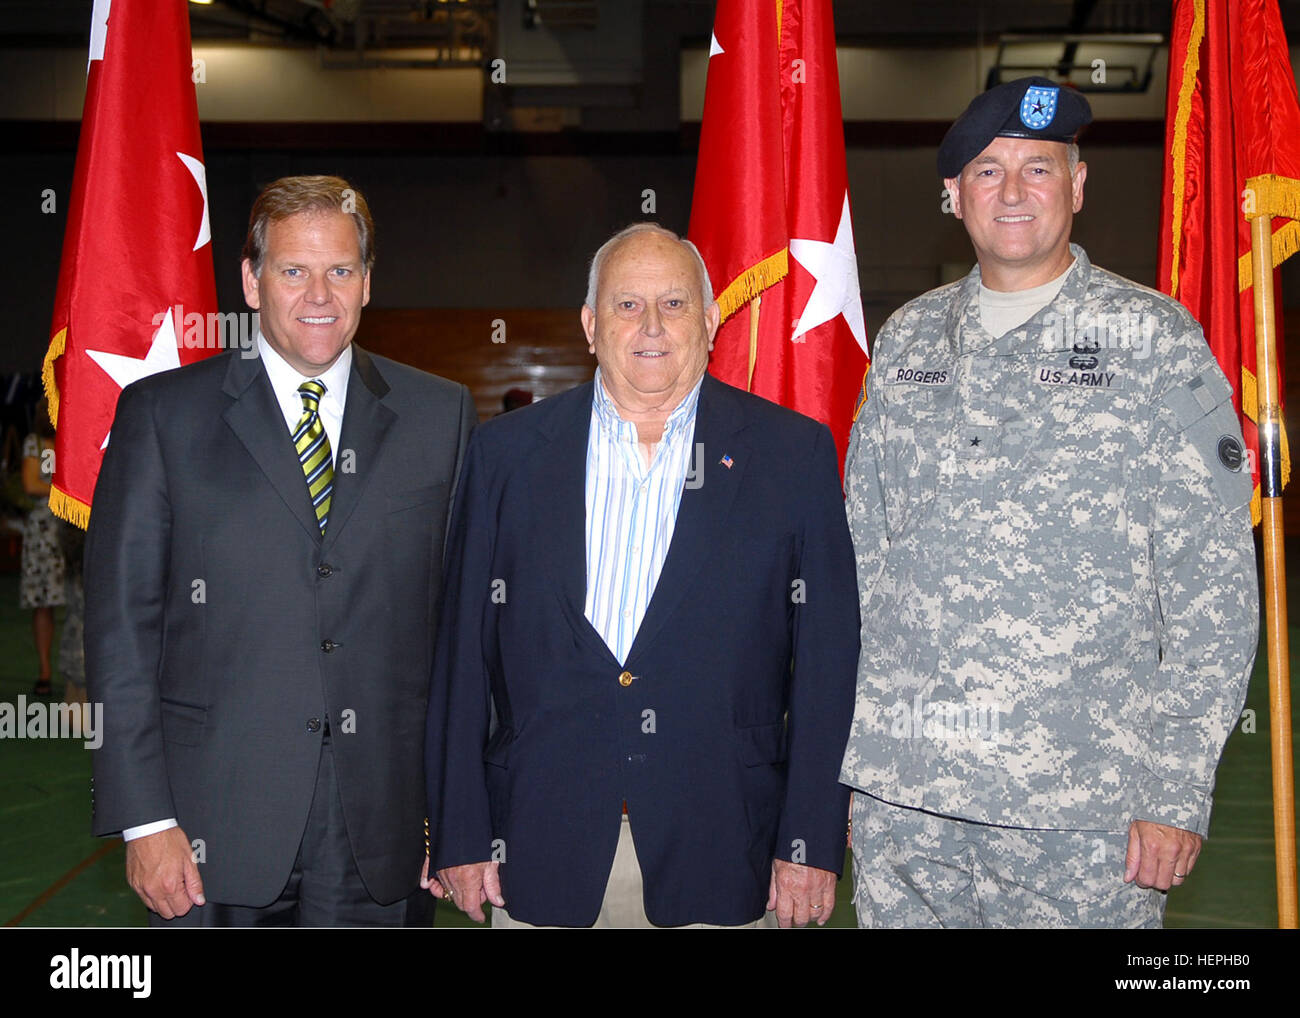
[{"x": 1204, "y": 411}]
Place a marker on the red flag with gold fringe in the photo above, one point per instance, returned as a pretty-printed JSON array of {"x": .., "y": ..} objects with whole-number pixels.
[
  {"x": 137, "y": 251},
  {"x": 1231, "y": 115},
  {"x": 770, "y": 212}
]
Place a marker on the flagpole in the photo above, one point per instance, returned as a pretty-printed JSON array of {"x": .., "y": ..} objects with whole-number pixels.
[
  {"x": 1269, "y": 420},
  {"x": 753, "y": 340}
]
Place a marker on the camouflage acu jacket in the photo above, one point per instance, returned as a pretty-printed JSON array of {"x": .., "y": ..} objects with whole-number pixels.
[{"x": 1055, "y": 563}]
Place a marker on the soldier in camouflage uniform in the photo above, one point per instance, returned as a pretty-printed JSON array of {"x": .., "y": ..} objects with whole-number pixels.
[{"x": 1049, "y": 501}]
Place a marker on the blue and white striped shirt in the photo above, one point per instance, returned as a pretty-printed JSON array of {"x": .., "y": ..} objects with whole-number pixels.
[{"x": 631, "y": 513}]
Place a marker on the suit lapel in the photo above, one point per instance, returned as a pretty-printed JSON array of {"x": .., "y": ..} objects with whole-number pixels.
[
  {"x": 256, "y": 419},
  {"x": 366, "y": 421},
  {"x": 706, "y": 506},
  {"x": 561, "y": 480}
]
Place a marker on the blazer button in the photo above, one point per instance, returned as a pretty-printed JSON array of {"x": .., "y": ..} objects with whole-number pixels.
[
  {"x": 324, "y": 569},
  {"x": 626, "y": 679},
  {"x": 313, "y": 724},
  {"x": 328, "y": 646}
]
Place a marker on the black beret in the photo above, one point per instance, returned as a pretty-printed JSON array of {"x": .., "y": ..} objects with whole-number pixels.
[{"x": 1024, "y": 108}]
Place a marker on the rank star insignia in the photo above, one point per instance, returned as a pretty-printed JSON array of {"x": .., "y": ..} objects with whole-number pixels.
[{"x": 975, "y": 441}]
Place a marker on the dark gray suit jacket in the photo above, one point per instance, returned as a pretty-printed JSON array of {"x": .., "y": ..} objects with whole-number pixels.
[{"x": 223, "y": 632}]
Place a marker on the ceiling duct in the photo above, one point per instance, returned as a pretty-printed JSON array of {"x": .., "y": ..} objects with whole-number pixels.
[
  {"x": 414, "y": 34},
  {"x": 561, "y": 14},
  {"x": 1106, "y": 62},
  {"x": 556, "y": 58},
  {"x": 570, "y": 44}
]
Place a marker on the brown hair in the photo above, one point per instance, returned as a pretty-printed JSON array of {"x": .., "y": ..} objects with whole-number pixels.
[{"x": 290, "y": 196}]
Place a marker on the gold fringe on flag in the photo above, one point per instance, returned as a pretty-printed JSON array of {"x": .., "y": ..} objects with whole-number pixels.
[
  {"x": 62, "y": 504},
  {"x": 1286, "y": 242},
  {"x": 1186, "y": 87},
  {"x": 71, "y": 509},
  {"x": 1276, "y": 195},
  {"x": 47, "y": 373},
  {"x": 753, "y": 281}
]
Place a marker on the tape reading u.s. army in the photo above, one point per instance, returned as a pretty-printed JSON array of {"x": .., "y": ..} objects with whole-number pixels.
[{"x": 1078, "y": 379}]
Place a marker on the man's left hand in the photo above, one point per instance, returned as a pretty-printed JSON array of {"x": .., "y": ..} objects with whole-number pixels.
[
  {"x": 427, "y": 882},
  {"x": 1159, "y": 856},
  {"x": 800, "y": 893}
]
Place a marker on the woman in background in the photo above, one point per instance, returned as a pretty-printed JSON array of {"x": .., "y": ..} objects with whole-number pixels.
[{"x": 41, "y": 589}]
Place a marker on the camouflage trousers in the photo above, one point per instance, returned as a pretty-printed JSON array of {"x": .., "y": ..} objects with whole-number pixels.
[{"x": 916, "y": 869}]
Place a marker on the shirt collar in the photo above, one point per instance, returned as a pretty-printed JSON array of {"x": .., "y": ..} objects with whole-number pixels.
[
  {"x": 608, "y": 415},
  {"x": 285, "y": 378},
  {"x": 966, "y": 299}
]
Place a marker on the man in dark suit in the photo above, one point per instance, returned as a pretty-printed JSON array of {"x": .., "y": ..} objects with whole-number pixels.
[
  {"x": 263, "y": 568},
  {"x": 643, "y": 687}
]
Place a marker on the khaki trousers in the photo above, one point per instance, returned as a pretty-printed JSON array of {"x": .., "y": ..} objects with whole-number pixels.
[{"x": 624, "y": 904}]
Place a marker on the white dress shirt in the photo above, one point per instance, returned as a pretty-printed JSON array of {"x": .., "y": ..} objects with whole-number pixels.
[
  {"x": 285, "y": 381},
  {"x": 631, "y": 513}
]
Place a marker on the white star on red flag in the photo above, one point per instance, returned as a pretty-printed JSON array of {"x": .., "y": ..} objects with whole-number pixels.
[
  {"x": 98, "y": 31},
  {"x": 835, "y": 267},
  {"x": 163, "y": 355},
  {"x": 200, "y": 175}
]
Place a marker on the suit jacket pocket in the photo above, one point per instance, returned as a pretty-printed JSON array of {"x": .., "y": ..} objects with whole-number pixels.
[
  {"x": 401, "y": 500},
  {"x": 762, "y": 744},
  {"x": 496, "y": 755},
  {"x": 182, "y": 723},
  {"x": 762, "y": 779},
  {"x": 497, "y": 751}
]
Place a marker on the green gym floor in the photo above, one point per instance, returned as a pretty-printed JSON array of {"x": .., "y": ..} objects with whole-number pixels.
[{"x": 53, "y": 873}]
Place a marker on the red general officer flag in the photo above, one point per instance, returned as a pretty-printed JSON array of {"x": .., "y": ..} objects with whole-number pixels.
[
  {"x": 135, "y": 284},
  {"x": 770, "y": 212},
  {"x": 1231, "y": 117}
]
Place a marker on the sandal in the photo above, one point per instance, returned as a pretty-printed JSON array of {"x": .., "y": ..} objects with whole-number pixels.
[{"x": 41, "y": 688}]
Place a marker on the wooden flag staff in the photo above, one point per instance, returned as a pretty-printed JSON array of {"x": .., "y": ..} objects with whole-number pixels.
[
  {"x": 1269, "y": 420},
  {"x": 754, "y": 305}
]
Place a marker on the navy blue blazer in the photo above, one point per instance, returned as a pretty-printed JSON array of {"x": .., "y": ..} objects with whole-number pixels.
[{"x": 724, "y": 731}]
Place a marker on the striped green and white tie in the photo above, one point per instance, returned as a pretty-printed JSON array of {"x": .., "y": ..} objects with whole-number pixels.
[{"x": 313, "y": 447}]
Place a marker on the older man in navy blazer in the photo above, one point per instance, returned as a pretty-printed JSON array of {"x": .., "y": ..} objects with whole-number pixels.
[{"x": 645, "y": 680}]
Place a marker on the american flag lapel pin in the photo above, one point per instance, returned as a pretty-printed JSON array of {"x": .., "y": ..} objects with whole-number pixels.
[{"x": 726, "y": 461}]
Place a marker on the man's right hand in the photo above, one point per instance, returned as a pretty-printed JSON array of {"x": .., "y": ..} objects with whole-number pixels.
[
  {"x": 470, "y": 886},
  {"x": 160, "y": 868}
]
